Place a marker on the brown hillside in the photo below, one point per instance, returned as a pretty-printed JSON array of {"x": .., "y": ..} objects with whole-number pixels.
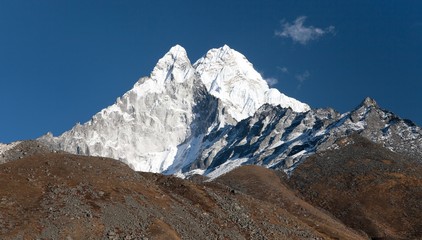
[
  {"x": 264, "y": 184},
  {"x": 63, "y": 196},
  {"x": 367, "y": 186}
]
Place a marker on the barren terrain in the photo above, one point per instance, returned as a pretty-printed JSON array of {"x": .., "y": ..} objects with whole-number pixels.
[
  {"x": 64, "y": 196},
  {"x": 367, "y": 187}
]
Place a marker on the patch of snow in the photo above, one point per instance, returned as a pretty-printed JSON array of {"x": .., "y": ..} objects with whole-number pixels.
[
  {"x": 190, "y": 173},
  {"x": 299, "y": 154},
  {"x": 358, "y": 125},
  {"x": 162, "y": 160},
  {"x": 277, "y": 144},
  {"x": 225, "y": 168},
  {"x": 186, "y": 153}
]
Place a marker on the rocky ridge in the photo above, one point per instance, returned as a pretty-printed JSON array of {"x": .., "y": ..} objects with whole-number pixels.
[
  {"x": 217, "y": 114},
  {"x": 281, "y": 138},
  {"x": 212, "y": 116}
]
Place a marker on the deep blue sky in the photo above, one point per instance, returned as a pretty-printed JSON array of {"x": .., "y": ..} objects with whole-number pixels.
[{"x": 63, "y": 61}]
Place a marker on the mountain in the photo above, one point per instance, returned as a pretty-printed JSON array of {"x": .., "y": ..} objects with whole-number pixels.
[
  {"x": 281, "y": 138},
  {"x": 230, "y": 77},
  {"x": 161, "y": 124},
  {"x": 216, "y": 114},
  {"x": 353, "y": 175}
]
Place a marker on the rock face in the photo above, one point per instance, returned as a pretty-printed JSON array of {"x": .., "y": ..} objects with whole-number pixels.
[
  {"x": 219, "y": 113},
  {"x": 145, "y": 126},
  {"x": 280, "y": 138},
  {"x": 160, "y": 124}
]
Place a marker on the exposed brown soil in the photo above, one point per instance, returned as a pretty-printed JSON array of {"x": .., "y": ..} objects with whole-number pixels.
[
  {"x": 265, "y": 184},
  {"x": 366, "y": 186},
  {"x": 64, "y": 196}
]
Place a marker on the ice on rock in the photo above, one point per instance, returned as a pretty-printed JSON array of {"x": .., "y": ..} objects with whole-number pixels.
[
  {"x": 229, "y": 76},
  {"x": 217, "y": 114},
  {"x": 163, "y": 123}
]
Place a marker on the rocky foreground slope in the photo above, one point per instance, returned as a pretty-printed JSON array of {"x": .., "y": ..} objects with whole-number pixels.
[
  {"x": 64, "y": 196},
  {"x": 359, "y": 190},
  {"x": 366, "y": 186}
]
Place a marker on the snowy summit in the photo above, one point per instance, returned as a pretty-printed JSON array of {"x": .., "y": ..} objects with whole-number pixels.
[
  {"x": 162, "y": 123},
  {"x": 229, "y": 76}
]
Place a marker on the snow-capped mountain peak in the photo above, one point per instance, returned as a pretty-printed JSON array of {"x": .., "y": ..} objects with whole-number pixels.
[
  {"x": 166, "y": 120},
  {"x": 368, "y": 102},
  {"x": 217, "y": 58},
  {"x": 220, "y": 66},
  {"x": 229, "y": 76},
  {"x": 173, "y": 66}
]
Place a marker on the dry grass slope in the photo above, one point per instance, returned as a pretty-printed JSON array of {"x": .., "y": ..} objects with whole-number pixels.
[
  {"x": 367, "y": 186},
  {"x": 265, "y": 184},
  {"x": 64, "y": 196}
]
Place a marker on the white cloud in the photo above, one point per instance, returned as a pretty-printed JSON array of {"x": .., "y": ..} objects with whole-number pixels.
[
  {"x": 300, "y": 33},
  {"x": 283, "y": 69},
  {"x": 271, "y": 81},
  {"x": 302, "y": 77}
]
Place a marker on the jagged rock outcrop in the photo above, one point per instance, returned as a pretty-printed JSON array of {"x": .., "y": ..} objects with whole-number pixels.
[{"x": 281, "y": 138}]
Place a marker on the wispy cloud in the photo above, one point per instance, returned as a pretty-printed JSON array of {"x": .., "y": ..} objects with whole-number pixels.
[
  {"x": 271, "y": 81},
  {"x": 300, "y": 33},
  {"x": 283, "y": 69},
  {"x": 301, "y": 78}
]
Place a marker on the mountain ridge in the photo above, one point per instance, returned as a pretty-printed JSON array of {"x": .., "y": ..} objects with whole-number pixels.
[
  {"x": 206, "y": 149},
  {"x": 212, "y": 116},
  {"x": 157, "y": 122}
]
